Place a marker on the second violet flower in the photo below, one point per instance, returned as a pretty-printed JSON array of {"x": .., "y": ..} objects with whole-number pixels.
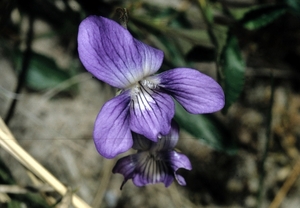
[
  {"x": 154, "y": 162},
  {"x": 145, "y": 103}
]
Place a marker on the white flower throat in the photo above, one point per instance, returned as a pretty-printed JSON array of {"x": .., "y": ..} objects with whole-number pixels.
[{"x": 141, "y": 93}]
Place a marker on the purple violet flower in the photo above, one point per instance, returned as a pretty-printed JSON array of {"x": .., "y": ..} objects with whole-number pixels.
[
  {"x": 154, "y": 162},
  {"x": 145, "y": 103}
]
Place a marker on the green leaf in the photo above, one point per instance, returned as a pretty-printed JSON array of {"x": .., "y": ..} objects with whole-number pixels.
[
  {"x": 206, "y": 130},
  {"x": 43, "y": 73},
  {"x": 262, "y": 16},
  {"x": 239, "y": 13},
  {"x": 166, "y": 15},
  {"x": 14, "y": 204},
  {"x": 233, "y": 68},
  {"x": 220, "y": 33},
  {"x": 294, "y": 6},
  {"x": 206, "y": 11}
]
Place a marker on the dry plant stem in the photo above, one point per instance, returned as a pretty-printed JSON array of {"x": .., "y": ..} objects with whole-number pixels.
[
  {"x": 15, "y": 189},
  {"x": 286, "y": 186},
  {"x": 5, "y": 129},
  {"x": 37, "y": 182},
  {"x": 33, "y": 177},
  {"x": 4, "y": 198},
  {"x": 8, "y": 142}
]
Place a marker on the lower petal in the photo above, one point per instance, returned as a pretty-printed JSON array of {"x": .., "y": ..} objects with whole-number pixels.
[
  {"x": 112, "y": 135},
  {"x": 196, "y": 92},
  {"x": 180, "y": 179},
  {"x": 151, "y": 113},
  {"x": 152, "y": 171}
]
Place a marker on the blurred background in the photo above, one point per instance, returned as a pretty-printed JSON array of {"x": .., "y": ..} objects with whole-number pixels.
[{"x": 247, "y": 155}]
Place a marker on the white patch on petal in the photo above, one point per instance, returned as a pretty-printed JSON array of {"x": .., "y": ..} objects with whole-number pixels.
[
  {"x": 152, "y": 82},
  {"x": 141, "y": 93}
]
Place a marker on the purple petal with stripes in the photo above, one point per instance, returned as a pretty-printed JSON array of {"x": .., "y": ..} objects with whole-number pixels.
[
  {"x": 112, "y": 134},
  {"x": 151, "y": 113},
  {"x": 155, "y": 162},
  {"x": 196, "y": 92},
  {"x": 111, "y": 54}
]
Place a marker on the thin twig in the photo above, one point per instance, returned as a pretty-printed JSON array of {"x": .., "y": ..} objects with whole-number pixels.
[
  {"x": 24, "y": 69},
  {"x": 104, "y": 182},
  {"x": 66, "y": 84}
]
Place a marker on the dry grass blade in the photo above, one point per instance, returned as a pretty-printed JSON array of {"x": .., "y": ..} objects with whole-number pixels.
[
  {"x": 15, "y": 189},
  {"x": 104, "y": 182},
  {"x": 286, "y": 186},
  {"x": 4, "y": 198},
  {"x": 8, "y": 142},
  {"x": 68, "y": 83},
  {"x": 66, "y": 200}
]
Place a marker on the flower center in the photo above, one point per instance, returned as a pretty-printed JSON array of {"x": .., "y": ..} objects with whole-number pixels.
[
  {"x": 148, "y": 84},
  {"x": 142, "y": 93}
]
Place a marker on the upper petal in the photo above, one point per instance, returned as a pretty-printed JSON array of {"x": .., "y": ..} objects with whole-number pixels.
[
  {"x": 151, "y": 113},
  {"x": 112, "y": 135},
  {"x": 196, "y": 92},
  {"x": 167, "y": 142},
  {"x": 111, "y": 54},
  {"x": 140, "y": 142}
]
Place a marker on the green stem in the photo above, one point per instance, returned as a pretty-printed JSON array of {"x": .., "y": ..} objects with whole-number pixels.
[
  {"x": 24, "y": 69},
  {"x": 208, "y": 18}
]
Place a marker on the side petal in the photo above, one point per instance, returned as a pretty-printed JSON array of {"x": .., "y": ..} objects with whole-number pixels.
[
  {"x": 112, "y": 135},
  {"x": 126, "y": 166},
  {"x": 196, "y": 92},
  {"x": 111, "y": 54},
  {"x": 151, "y": 113},
  {"x": 176, "y": 160}
]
